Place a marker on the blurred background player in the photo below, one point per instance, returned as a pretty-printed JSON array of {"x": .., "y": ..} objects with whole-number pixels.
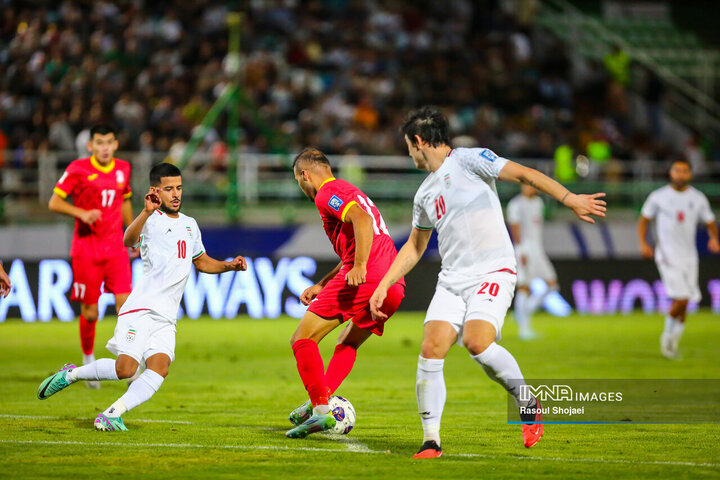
[
  {"x": 100, "y": 190},
  {"x": 170, "y": 243},
  {"x": 5, "y": 285},
  {"x": 525, "y": 216},
  {"x": 360, "y": 238},
  {"x": 677, "y": 208},
  {"x": 477, "y": 280}
]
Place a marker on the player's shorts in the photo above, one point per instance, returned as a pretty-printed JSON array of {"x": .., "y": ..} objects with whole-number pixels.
[
  {"x": 680, "y": 281},
  {"x": 488, "y": 300},
  {"x": 537, "y": 265},
  {"x": 90, "y": 273},
  {"x": 339, "y": 300},
  {"x": 141, "y": 334}
]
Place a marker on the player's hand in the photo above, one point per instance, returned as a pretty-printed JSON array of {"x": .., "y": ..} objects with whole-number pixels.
[
  {"x": 133, "y": 253},
  {"x": 90, "y": 216},
  {"x": 152, "y": 201},
  {"x": 376, "y": 302},
  {"x": 310, "y": 293},
  {"x": 5, "y": 285},
  {"x": 586, "y": 205},
  {"x": 356, "y": 276},
  {"x": 714, "y": 245},
  {"x": 238, "y": 264},
  {"x": 646, "y": 251}
]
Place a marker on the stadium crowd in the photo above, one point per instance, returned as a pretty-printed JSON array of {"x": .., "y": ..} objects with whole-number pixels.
[{"x": 336, "y": 74}]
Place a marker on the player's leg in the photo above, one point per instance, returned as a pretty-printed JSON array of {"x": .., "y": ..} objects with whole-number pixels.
[
  {"x": 486, "y": 310},
  {"x": 102, "y": 369},
  {"x": 311, "y": 329},
  {"x": 139, "y": 391},
  {"x": 542, "y": 268},
  {"x": 679, "y": 289},
  {"x": 87, "y": 281},
  {"x": 522, "y": 315}
]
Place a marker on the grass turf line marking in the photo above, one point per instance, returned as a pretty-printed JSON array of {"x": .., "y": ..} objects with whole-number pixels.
[
  {"x": 48, "y": 417},
  {"x": 368, "y": 451}
]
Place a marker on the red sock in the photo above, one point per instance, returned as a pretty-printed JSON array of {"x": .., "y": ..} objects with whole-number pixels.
[
  {"x": 87, "y": 335},
  {"x": 311, "y": 369},
  {"x": 340, "y": 366}
]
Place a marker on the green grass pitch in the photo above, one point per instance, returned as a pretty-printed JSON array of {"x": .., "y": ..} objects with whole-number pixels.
[{"x": 222, "y": 411}]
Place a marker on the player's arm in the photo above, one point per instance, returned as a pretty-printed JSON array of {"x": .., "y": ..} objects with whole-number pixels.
[
  {"x": 132, "y": 232},
  {"x": 713, "y": 243},
  {"x": 60, "y": 205},
  {"x": 408, "y": 256},
  {"x": 5, "y": 285},
  {"x": 362, "y": 224},
  {"x": 206, "y": 264},
  {"x": 645, "y": 249},
  {"x": 583, "y": 205}
]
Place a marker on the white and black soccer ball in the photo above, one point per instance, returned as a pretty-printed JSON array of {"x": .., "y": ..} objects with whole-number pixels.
[{"x": 344, "y": 414}]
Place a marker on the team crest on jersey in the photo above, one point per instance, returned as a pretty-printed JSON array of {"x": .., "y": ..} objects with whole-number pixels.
[
  {"x": 335, "y": 203},
  {"x": 92, "y": 177},
  {"x": 446, "y": 178},
  {"x": 130, "y": 337},
  {"x": 120, "y": 178},
  {"x": 488, "y": 154}
]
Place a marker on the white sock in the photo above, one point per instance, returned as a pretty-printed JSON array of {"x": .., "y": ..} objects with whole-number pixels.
[
  {"x": 431, "y": 394},
  {"x": 501, "y": 366},
  {"x": 88, "y": 359},
  {"x": 668, "y": 324},
  {"x": 521, "y": 313},
  {"x": 138, "y": 392},
  {"x": 116, "y": 409},
  {"x": 103, "y": 369},
  {"x": 677, "y": 329},
  {"x": 321, "y": 410}
]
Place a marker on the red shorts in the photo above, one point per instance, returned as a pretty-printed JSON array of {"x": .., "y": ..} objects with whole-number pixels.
[
  {"x": 339, "y": 300},
  {"x": 90, "y": 273}
]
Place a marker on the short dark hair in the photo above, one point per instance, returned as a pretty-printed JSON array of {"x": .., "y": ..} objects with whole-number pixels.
[
  {"x": 429, "y": 124},
  {"x": 312, "y": 155},
  {"x": 102, "y": 129},
  {"x": 681, "y": 160},
  {"x": 164, "y": 169}
]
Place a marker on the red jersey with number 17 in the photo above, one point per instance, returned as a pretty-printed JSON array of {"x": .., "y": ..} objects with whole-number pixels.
[
  {"x": 333, "y": 200},
  {"x": 93, "y": 186}
]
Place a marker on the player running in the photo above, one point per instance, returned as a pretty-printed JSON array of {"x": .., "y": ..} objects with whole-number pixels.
[
  {"x": 525, "y": 216},
  {"x": 359, "y": 236},
  {"x": 477, "y": 280},
  {"x": 170, "y": 242},
  {"x": 100, "y": 189},
  {"x": 677, "y": 208}
]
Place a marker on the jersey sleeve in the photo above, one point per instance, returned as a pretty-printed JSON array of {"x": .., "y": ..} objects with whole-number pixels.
[
  {"x": 198, "y": 247},
  {"x": 127, "y": 191},
  {"x": 706, "y": 213},
  {"x": 482, "y": 162},
  {"x": 650, "y": 208},
  {"x": 420, "y": 218},
  {"x": 513, "y": 212},
  {"x": 334, "y": 202},
  {"x": 68, "y": 182}
]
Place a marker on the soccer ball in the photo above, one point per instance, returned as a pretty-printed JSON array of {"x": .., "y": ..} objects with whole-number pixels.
[{"x": 344, "y": 414}]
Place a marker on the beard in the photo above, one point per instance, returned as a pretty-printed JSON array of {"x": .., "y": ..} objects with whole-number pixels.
[{"x": 167, "y": 208}]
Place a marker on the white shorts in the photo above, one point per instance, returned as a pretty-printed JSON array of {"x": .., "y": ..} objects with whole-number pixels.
[
  {"x": 537, "y": 265},
  {"x": 489, "y": 300},
  {"x": 141, "y": 335},
  {"x": 680, "y": 282}
]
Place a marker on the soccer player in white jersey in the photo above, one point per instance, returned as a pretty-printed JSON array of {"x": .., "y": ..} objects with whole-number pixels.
[
  {"x": 477, "y": 280},
  {"x": 677, "y": 209},
  {"x": 525, "y": 216},
  {"x": 170, "y": 243}
]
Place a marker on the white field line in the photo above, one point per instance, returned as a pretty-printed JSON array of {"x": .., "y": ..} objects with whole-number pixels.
[
  {"x": 352, "y": 447},
  {"x": 47, "y": 417}
]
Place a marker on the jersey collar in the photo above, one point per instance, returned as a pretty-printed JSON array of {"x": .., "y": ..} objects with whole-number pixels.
[
  {"x": 326, "y": 181},
  {"x": 104, "y": 169}
]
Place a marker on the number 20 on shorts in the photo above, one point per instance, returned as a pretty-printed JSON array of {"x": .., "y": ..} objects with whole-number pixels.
[{"x": 489, "y": 288}]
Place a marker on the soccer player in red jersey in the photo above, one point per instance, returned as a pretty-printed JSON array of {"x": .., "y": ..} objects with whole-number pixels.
[
  {"x": 359, "y": 236},
  {"x": 100, "y": 190}
]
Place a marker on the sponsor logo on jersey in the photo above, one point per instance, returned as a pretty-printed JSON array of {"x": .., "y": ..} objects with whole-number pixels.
[
  {"x": 447, "y": 180},
  {"x": 130, "y": 337},
  {"x": 489, "y": 155},
  {"x": 92, "y": 176},
  {"x": 335, "y": 203}
]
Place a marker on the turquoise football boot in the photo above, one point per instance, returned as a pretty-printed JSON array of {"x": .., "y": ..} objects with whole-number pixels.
[{"x": 54, "y": 383}]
